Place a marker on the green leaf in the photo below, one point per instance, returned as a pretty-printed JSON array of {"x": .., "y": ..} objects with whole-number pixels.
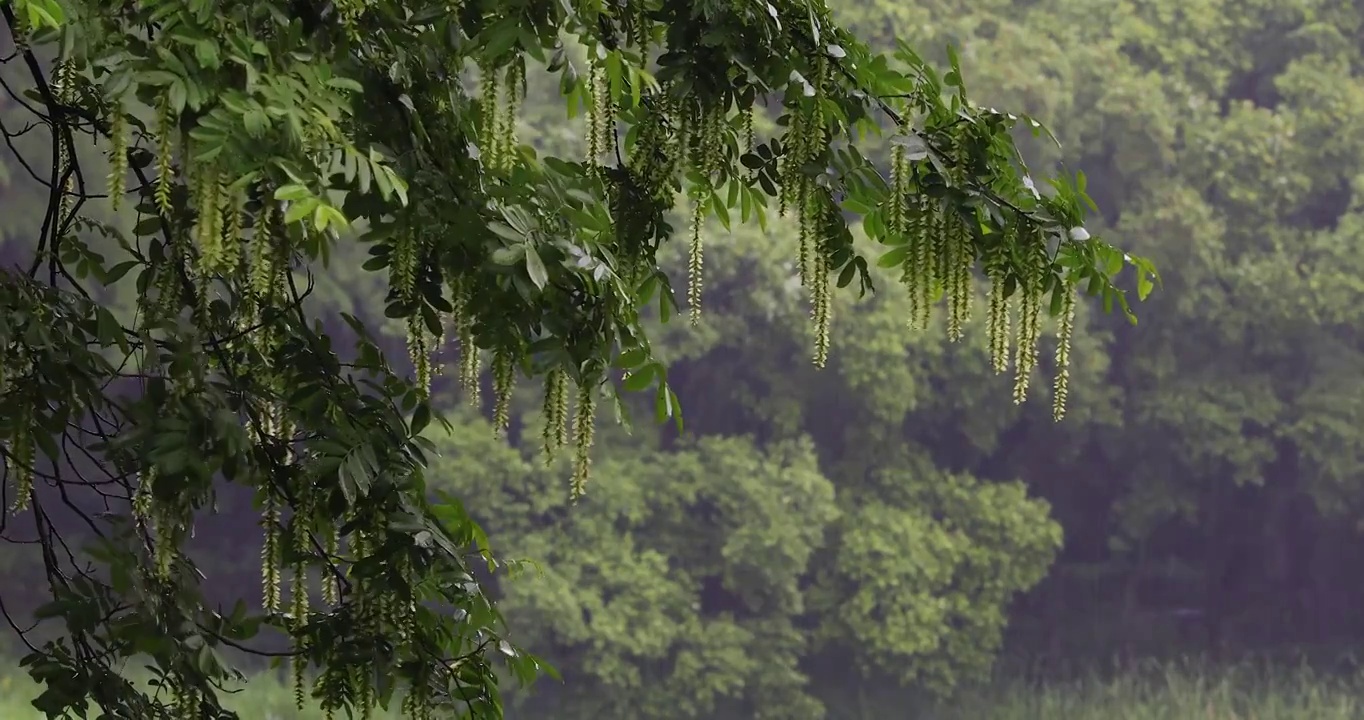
[
  {"x": 117, "y": 272},
  {"x": 509, "y": 256},
  {"x": 300, "y": 209},
  {"x": 535, "y": 268},
  {"x": 896, "y": 257},
  {"x": 292, "y": 192},
  {"x": 421, "y": 417},
  {"x": 845, "y": 278},
  {"x": 506, "y": 232},
  {"x": 632, "y": 358},
  {"x": 639, "y": 379}
]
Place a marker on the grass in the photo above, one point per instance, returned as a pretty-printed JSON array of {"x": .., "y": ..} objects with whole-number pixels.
[
  {"x": 1175, "y": 691},
  {"x": 1169, "y": 692}
]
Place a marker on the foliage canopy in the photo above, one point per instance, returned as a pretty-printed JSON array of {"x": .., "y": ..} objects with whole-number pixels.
[{"x": 252, "y": 137}]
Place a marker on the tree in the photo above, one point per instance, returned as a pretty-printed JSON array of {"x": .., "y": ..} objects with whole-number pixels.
[
  {"x": 728, "y": 578},
  {"x": 251, "y": 138},
  {"x": 1223, "y": 138}
]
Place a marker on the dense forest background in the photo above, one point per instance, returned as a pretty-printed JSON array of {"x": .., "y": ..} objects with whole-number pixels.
[{"x": 833, "y": 540}]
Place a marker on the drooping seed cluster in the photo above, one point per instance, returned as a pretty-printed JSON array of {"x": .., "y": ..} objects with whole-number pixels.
[
  {"x": 118, "y": 155},
  {"x": 555, "y": 411},
  {"x": 501, "y": 103},
  {"x": 601, "y": 112},
  {"x": 941, "y": 251}
]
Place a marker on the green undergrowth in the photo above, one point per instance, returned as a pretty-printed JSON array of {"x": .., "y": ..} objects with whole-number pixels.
[{"x": 1173, "y": 691}]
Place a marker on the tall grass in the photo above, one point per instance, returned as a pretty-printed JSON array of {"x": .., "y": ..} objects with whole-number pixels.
[
  {"x": 1171, "y": 691},
  {"x": 1176, "y": 691}
]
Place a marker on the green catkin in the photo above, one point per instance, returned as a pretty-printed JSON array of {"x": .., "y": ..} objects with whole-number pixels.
[
  {"x": 215, "y": 222},
  {"x": 1030, "y": 316},
  {"x": 358, "y": 550},
  {"x": 468, "y": 352},
  {"x": 282, "y": 262},
  {"x": 638, "y": 27},
  {"x": 562, "y": 411},
  {"x": 813, "y": 213},
  {"x": 118, "y": 154},
  {"x": 331, "y": 686},
  {"x": 960, "y": 257},
  {"x": 806, "y": 234},
  {"x": 694, "y": 259},
  {"x": 823, "y": 309},
  {"x": 372, "y": 609},
  {"x": 966, "y": 261},
  {"x": 165, "y": 534},
  {"x": 270, "y": 554},
  {"x": 331, "y": 584},
  {"x": 705, "y": 159},
  {"x": 417, "y": 704},
  {"x": 951, "y": 250},
  {"x": 504, "y": 380},
  {"x": 746, "y": 127},
  {"x": 606, "y": 110},
  {"x": 583, "y": 426},
  {"x": 419, "y": 352},
  {"x": 657, "y": 153},
  {"x": 511, "y": 109},
  {"x": 350, "y": 12},
  {"x": 205, "y": 230},
  {"x": 998, "y": 321},
  {"x": 298, "y": 664},
  {"x": 364, "y": 693},
  {"x": 142, "y": 502},
  {"x": 462, "y": 330},
  {"x": 403, "y": 263},
  {"x": 186, "y": 701},
  {"x": 648, "y": 141},
  {"x": 168, "y": 284},
  {"x": 554, "y": 411},
  {"x": 927, "y": 259},
  {"x": 711, "y": 144},
  {"x": 1064, "y": 332},
  {"x": 897, "y": 202},
  {"x": 942, "y": 270},
  {"x": 360, "y": 679},
  {"x": 916, "y": 234},
  {"x": 271, "y": 548},
  {"x": 599, "y": 121},
  {"x": 490, "y": 106},
  {"x": 261, "y": 253},
  {"x": 791, "y": 180},
  {"x": 234, "y": 206},
  {"x": 410, "y": 704},
  {"x": 404, "y": 607},
  {"x": 298, "y": 611},
  {"x": 21, "y": 462},
  {"x": 678, "y": 148},
  {"x": 61, "y": 89},
  {"x": 165, "y": 123},
  {"x": 384, "y": 607},
  {"x": 804, "y": 137}
]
